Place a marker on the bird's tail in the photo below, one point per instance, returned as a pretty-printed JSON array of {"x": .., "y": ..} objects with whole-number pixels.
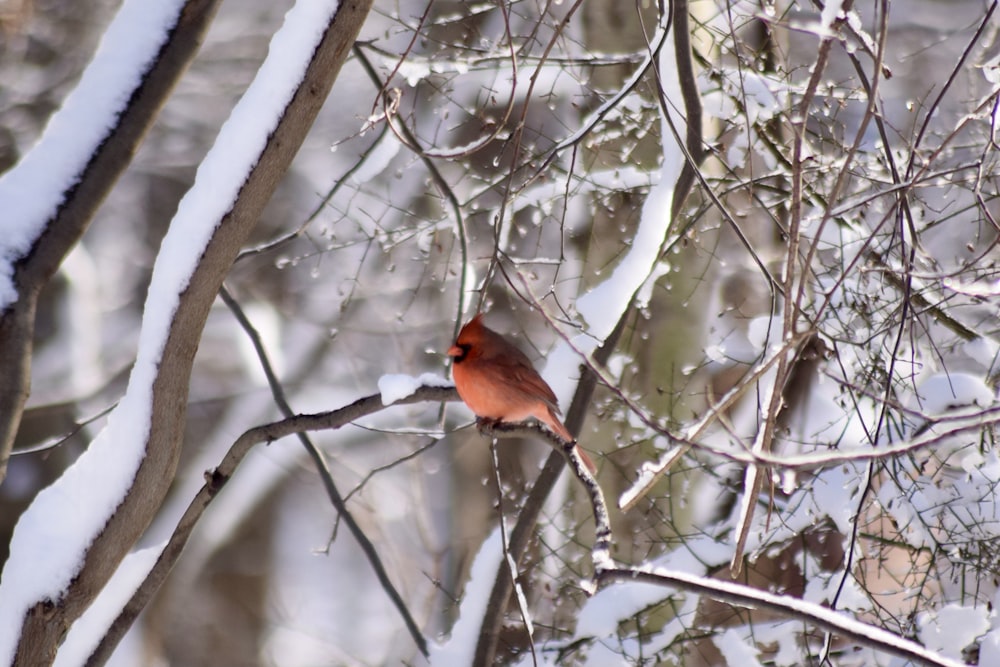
[{"x": 557, "y": 426}]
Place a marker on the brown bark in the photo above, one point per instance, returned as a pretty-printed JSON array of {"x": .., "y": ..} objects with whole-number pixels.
[
  {"x": 46, "y": 623},
  {"x": 63, "y": 231}
]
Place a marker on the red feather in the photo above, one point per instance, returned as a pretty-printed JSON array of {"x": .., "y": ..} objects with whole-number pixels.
[{"x": 497, "y": 381}]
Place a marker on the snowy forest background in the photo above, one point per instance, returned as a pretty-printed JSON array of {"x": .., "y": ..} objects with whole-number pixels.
[{"x": 751, "y": 245}]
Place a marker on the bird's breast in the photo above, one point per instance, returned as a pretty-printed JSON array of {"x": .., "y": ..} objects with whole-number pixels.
[{"x": 490, "y": 393}]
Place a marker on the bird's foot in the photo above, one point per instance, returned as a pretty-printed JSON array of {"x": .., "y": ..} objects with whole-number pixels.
[{"x": 487, "y": 424}]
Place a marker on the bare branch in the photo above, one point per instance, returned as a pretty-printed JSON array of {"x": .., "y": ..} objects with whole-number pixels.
[
  {"x": 216, "y": 479},
  {"x": 336, "y": 499}
]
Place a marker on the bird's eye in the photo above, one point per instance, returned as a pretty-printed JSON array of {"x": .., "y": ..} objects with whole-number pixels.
[{"x": 465, "y": 348}]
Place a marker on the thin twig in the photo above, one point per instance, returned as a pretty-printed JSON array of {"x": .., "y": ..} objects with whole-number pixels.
[
  {"x": 685, "y": 185},
  {"x": 324, "y": 473},
  {"x": 601, "y": 550},
  {"x": 217, "y": 478},
  {"x": 279, "y": 241},
  {"x": 777, "y": 397},
  {"x": 56, "y": 441},
  {"x": 522, "y": 603},
  {"x": 516, "y": 149},
  {"x": 442, "y": 185}
]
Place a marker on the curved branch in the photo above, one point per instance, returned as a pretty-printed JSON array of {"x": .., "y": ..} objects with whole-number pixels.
[
  {"x": 602, "y": 521},
  {"x": 112, "y": 153},
  {"x": 216, "y": 479},
  {"x": 46, "y": 621},
  {"x": 694, "y": 140}
]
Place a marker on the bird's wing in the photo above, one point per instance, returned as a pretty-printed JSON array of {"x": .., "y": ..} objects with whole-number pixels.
[
  {"x": 516, "y": 368},
  {"x": 521, "y": 375}
]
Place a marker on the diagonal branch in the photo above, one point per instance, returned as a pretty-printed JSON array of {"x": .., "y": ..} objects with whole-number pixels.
[
  {"x": 168, "y": 361},
  {"x": 800, "y": 610},
  {"x": 112, "y": 153},
  {"x": 336, "y": 499},
  {"x": 216, "y": 479},
  {"x": 600, "y": 551}
]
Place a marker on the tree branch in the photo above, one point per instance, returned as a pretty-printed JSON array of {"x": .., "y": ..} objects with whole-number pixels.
[
  {"x": 216, "y": 479},
  {"x": 694, "y": 142},
  {"x": 46, "y": 623},
  {"x": 794, "y": 608},
  {"x": 336, "y": 499},
  {"x": 602, "y": 523},
  {"x": 79, "y": 203}
]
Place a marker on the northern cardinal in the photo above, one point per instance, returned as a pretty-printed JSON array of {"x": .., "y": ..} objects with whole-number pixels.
[{"x": 497, "y": 381}]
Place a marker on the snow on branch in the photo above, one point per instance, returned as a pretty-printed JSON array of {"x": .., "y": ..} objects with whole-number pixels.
[
  {"x": 34, "y": 189},
  {"x": 51, "y": 196},
  {"x": 808, "y": 612},
  {"x": 67, "y": 544}
]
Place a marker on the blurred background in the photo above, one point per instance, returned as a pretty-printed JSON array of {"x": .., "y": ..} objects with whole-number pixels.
[{"x": 357, "y": 270}]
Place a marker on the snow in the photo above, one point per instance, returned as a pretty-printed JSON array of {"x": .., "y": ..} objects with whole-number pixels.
[
  {"x": 765, "y": 97},
  {"x": 378, "y": 160},
  {"x": 800, "y": 608},
  {"x": 823, "y": 586},
  {"x": 735, "y": 649},
  {"x": 613, "y": 103},
  {"x": 980, "y": 288},
  {"x": 562, "y": 365},
  {"x": 783, "y": 634},
  {"x": 764, "y": 332},
  {"x": 460, "y": 647},
  {"x": 833, "y": 494},
  {"x": 395, "y": 386},
  {"x": 603, "y": 612},
  {"x": 989, "y": 649},
  {"x": 943, "y": 392},
  {"x": 32, "y": 191},
  {"x": 952, "y": 628},
  {"x": 648, "y": 472},
  {"x": 51, "y": 537},
  {"x": 603, "y": 306},
  {"x": 87, "y": 633},
  {"x": 522, "y": 600},
  {"x": 833, "y": 10}
]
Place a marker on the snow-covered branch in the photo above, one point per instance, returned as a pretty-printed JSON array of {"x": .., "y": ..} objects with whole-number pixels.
[
  {"x": 50, "y": 197},
  {"x": 800, "y": 610},
  {"x": 116, "y": 486}
]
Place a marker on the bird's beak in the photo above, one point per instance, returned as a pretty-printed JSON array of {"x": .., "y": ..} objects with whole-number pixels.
[{"x": 454, "y": 351}]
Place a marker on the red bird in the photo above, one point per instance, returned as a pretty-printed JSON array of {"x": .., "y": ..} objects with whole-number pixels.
[{"x": 497, "y": 381}]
